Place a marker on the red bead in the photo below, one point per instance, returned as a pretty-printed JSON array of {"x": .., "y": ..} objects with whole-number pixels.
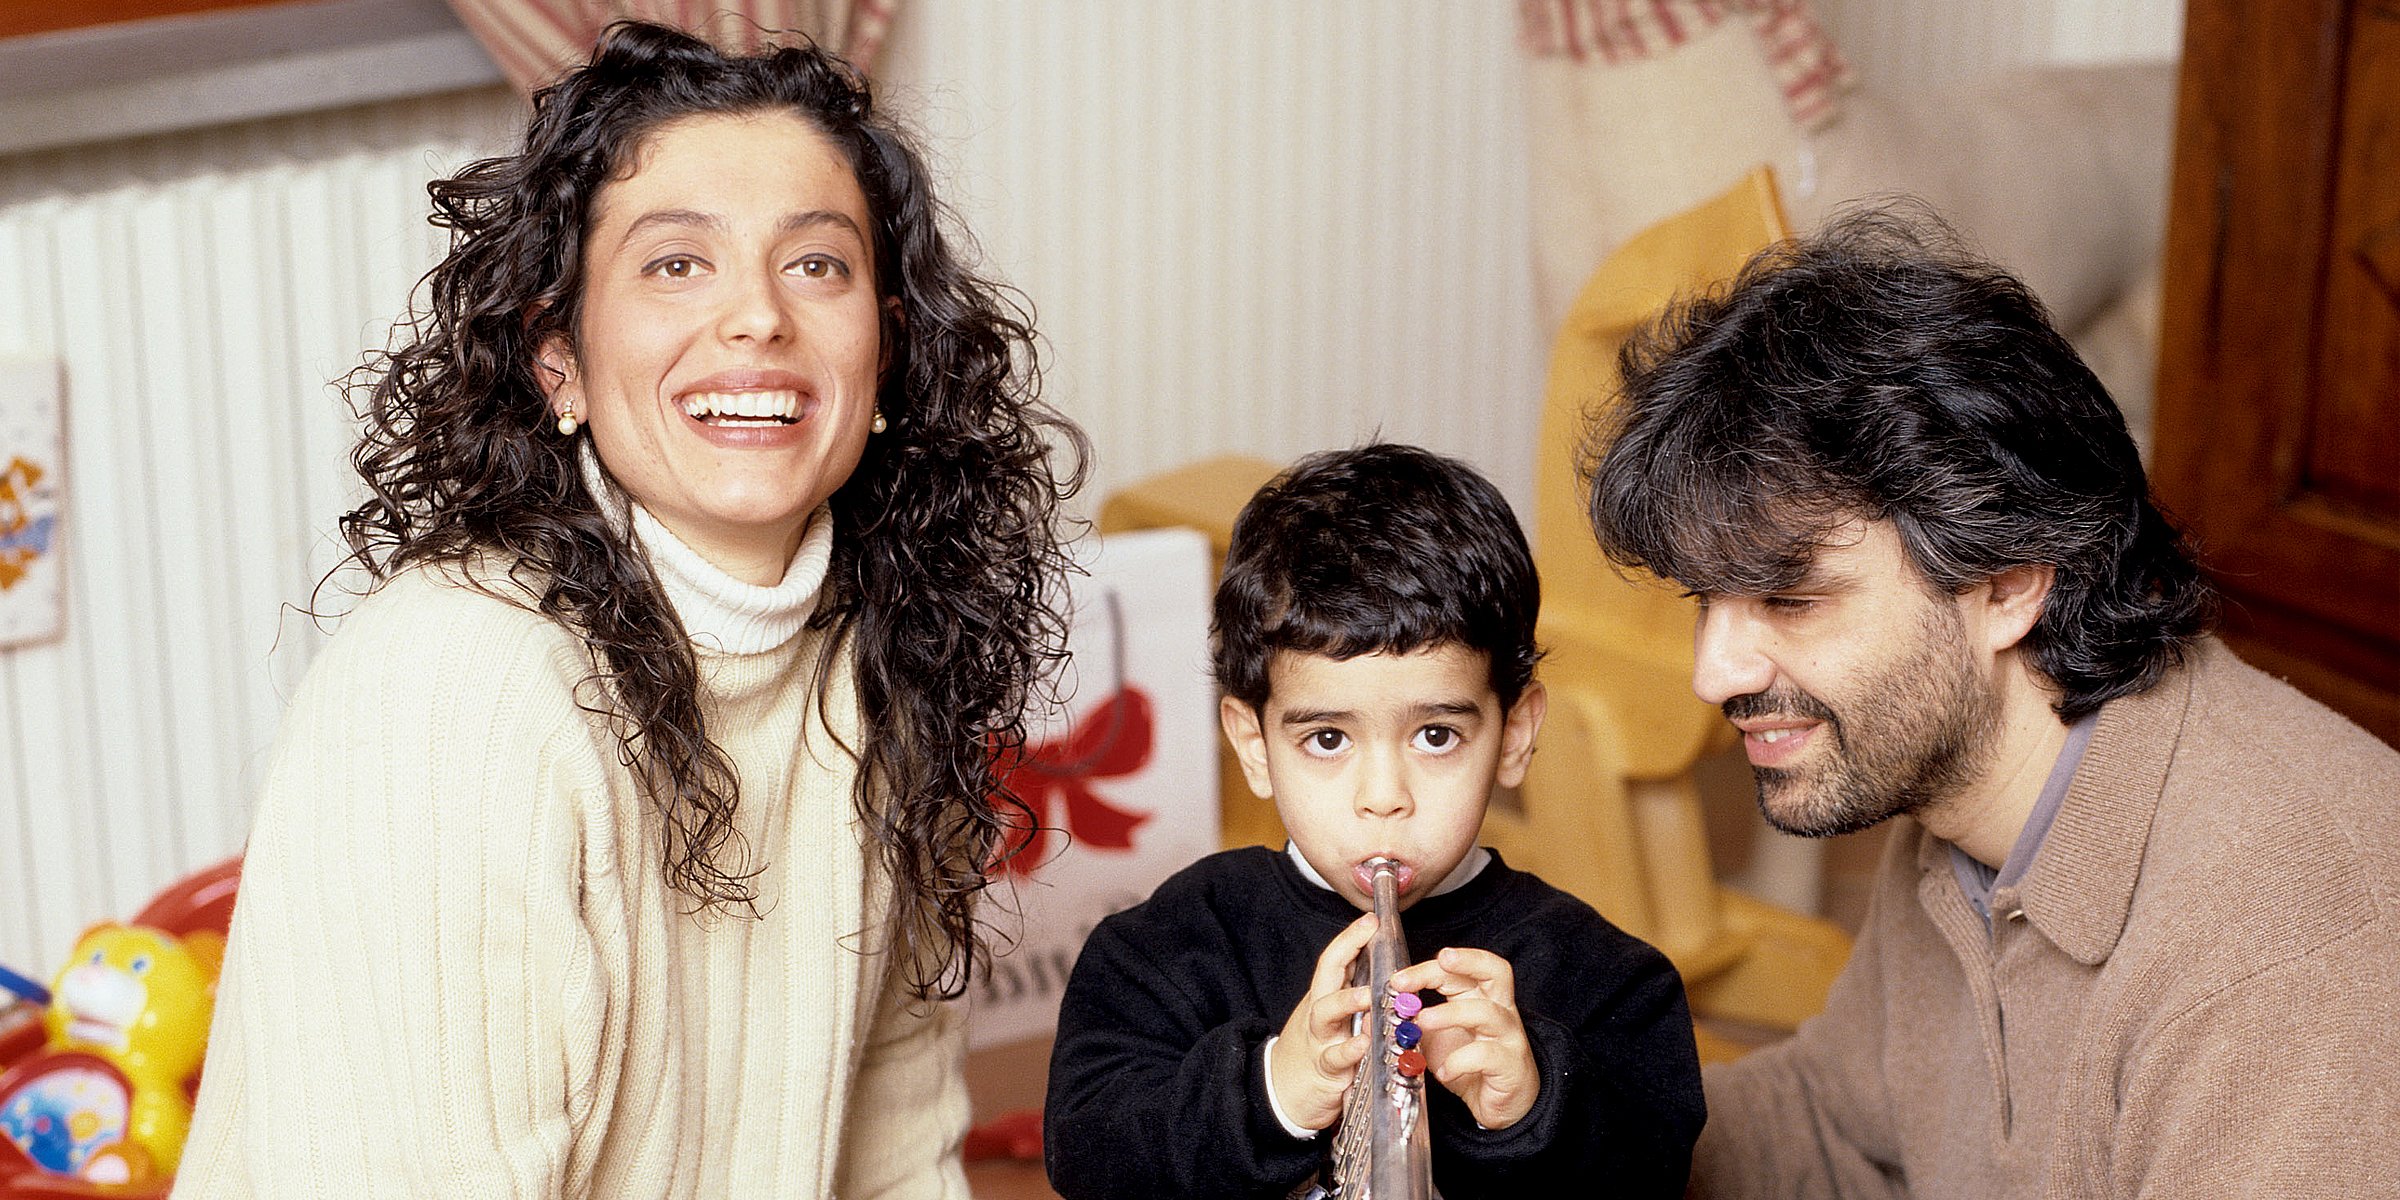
[{"x": 1412, "y": 1063}]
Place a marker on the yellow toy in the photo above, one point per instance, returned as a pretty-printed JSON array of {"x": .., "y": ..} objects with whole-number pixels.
[{"x": 140, "y": 1000}]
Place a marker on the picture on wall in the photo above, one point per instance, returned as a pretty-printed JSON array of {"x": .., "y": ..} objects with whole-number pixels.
[{"x": 32, "y": 479}]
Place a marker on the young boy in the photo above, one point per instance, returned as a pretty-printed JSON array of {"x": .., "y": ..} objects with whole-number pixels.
[{"x": 1374, "y": 635}]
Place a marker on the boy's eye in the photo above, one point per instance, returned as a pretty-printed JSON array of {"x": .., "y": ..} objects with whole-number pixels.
[
  {"x": 1326, "y": 741},
  {"x": 1438, "y": 739}
]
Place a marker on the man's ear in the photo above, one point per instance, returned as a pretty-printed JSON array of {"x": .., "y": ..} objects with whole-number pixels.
[
  {"x": 1249, "y": 742},
  {"x": 562, "y": 385},
  {"x": 1518, "y": 730},
  {"x": 2013, "y": 601}
]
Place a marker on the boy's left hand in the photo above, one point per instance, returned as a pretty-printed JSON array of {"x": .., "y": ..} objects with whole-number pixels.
[{"x": 1475, "y": 1042}]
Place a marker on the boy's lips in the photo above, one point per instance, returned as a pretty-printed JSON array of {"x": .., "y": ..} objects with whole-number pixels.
[{"x": 1364, "y": 872}]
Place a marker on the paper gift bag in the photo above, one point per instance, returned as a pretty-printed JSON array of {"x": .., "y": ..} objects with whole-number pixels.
[{"x": 1121, "y": 781}]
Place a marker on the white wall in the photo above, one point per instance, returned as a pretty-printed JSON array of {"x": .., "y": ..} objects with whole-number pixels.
[
  {"x": 1920, "y": 45},
  {"x": 1249, "y": 225},
  {"x": 201, "y": 290}
]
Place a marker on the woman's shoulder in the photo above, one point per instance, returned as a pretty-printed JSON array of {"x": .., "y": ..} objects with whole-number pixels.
[
  {"x": 435, "y": 686},
  {"x": 453, "y": 601},
  {"x": 450, "y": 628}
]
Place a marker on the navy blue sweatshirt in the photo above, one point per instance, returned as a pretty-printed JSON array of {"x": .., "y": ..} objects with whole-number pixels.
[{"x": 1158, "y": 1087}]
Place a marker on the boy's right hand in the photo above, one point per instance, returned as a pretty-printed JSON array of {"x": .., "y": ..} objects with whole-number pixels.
[{"x": 1316, "y": 1056}]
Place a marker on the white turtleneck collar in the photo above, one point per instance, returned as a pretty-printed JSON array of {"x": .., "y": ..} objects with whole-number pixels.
[{"x": 721, "y": 613}]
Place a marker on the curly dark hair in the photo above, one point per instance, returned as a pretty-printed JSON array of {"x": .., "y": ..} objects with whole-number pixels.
[
  {"x": 946, "y": 558},
  {"x": 1877, "y": 369},
  {"x": 1381, "y": 548}
]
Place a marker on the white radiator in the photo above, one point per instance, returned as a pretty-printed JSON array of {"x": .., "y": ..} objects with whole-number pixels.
[{"x": 201, "y": 292}]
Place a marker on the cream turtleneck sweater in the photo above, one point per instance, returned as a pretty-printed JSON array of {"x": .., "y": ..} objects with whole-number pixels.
[{"x": 456, "y": 970}]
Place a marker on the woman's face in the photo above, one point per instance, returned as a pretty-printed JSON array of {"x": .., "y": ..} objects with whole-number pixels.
[{"x": 729, "y": 346}]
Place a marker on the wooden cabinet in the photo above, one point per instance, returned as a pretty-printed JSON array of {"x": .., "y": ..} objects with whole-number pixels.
[{"x": 2278, "y": 426}]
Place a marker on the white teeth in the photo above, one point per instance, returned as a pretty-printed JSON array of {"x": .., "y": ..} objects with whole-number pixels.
[
  {"x": 1772, "y": 736},
  {"x": 747, "y": 406}
]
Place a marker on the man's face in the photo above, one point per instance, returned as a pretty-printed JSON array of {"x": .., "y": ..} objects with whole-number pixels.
[{"x": 1856, "y": 691}]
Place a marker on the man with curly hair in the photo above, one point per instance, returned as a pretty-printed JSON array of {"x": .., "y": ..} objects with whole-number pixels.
[{"x": 2137, "y": 930}]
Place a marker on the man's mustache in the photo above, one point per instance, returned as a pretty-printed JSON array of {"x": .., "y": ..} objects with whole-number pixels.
[{"x": 1787, "y": 702}]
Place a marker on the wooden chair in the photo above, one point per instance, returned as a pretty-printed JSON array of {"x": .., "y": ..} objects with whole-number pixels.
[{"x": 1609, "y": 810}]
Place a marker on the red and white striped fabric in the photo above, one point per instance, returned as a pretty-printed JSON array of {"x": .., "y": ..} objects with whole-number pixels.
[
  {"x": 1807, "y": 67},
  {"x": 534, "y": 40}
]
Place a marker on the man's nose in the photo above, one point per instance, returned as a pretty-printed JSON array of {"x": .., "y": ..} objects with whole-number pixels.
[{"x": 1727, "y": 660}]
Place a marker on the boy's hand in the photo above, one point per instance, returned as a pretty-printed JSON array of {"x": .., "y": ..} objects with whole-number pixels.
[
  {"x": 1475, "y": 1042},
  {"x": 1316, "y": 1055}
]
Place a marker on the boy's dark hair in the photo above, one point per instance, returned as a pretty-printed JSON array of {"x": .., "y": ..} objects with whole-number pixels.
[
  {"x": 1381, "y": 548},
  {"x": 1877, "y": 370}
]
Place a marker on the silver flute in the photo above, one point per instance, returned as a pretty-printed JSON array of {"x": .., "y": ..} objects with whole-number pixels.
[{"x": 1384, "y": 1150}]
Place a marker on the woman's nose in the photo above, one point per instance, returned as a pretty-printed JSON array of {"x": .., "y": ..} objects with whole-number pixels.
[
  {"x": 1727, "y": 660},
  {"x": 754, "y": 310}
]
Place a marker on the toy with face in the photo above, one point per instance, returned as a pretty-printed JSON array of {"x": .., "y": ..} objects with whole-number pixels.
[{"x": 137, "y": 1000}]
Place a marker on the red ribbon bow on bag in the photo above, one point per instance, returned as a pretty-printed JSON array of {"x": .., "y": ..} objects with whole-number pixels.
[{"x": 1112, "y": 741}]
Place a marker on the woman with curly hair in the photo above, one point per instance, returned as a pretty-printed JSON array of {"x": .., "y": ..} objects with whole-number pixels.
[{"x": 628, "y": 836}]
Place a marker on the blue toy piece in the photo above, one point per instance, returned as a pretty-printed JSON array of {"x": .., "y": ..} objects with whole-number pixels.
[{"x": 30, "y": 990}]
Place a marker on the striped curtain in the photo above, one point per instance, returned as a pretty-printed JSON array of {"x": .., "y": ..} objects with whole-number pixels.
[
  {"x": 1807, "y": 68},
  {"x": 534, "y": 40}
]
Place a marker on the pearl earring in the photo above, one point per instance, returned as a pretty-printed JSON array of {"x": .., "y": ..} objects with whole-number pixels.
[
  {"x": 879, "y": 424},
  {"x": 567, "y": 424}
]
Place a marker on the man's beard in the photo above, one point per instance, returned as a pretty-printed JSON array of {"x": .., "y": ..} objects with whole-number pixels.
[{"x": 1910, "y": 735}]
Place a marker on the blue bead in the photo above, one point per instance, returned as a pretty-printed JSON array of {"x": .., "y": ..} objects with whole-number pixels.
[{"x": 1406, "y": 1033}]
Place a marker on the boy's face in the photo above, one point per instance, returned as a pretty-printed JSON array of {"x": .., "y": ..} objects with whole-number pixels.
[{"x": 1383, "y": 755}]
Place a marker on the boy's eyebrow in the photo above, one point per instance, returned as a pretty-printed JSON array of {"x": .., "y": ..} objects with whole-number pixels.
[
  {"x": 1316, "y": 716},
  {"x": 1336, "y": 716}
]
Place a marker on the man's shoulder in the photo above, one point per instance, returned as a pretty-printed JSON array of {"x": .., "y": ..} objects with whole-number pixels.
[
  {"x": 2242, "y": 715},
  {"x": 2256, "y": 754},
  {"x": 2278, "y": 824}
]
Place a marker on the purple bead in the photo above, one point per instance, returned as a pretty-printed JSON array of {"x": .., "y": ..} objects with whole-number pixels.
[
  {"x": 1407, "y": 1034},
  {"x": 1407, "y": 1005}
]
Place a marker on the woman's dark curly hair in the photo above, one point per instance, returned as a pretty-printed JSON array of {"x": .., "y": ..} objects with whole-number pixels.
[
  {"x": 946, "y": 552},
  {"x": 1876, "y": 369}
]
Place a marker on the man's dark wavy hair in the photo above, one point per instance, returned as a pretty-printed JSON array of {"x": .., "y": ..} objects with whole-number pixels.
[
  {"x": 946, "y": 556},
  {"x": 1382, "y": 548},
  {"x": 1876, "y": 369}
]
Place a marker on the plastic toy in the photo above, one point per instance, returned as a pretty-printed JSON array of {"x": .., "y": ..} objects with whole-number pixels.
[{"x": 101, "y": 1104}]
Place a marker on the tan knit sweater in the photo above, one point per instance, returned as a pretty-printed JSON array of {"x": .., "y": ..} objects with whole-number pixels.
[
  {"x": 456, "y": 971},
  {"x": 2194, "y": 991}
]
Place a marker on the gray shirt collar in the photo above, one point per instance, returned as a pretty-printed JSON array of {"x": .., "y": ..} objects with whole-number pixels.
[{"x": 1978, "y": 881}]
